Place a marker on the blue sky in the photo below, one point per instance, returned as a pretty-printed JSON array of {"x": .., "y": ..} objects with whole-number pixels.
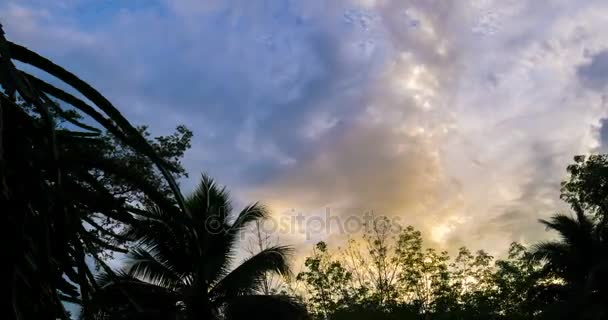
[{"x": 457, "y": 116}]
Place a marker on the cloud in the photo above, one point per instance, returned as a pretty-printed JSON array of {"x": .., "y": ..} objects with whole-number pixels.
[
  {"x": 467, "y": 127},
  {"x": 459, "y": 117}
]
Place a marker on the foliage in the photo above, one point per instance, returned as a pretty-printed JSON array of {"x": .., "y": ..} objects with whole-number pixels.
[
  {"x": 516, "y": 281},
  {"x": 579, "y": 264},
  {"x": 427, "y": 283},
  {"x": 390, "y": 277},
  {"x": 588, "y": 185},
  {"x": 67, "y": 182},
  {"x": 328, "y": 282},
  {"x": 184, "y": 261},
  {"x": 578, "y": 261}
]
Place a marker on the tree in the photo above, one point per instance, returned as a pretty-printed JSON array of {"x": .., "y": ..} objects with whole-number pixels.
[
  {"x": 66, "y": 184},
  {"x": 383, "y": 262},
  {"x": 587, "y": 187},
  {"x": 517, "y": 281},
  {"x": 468, "y": 289},
  {"x": 579, "y": 263},
  {"x": 373, "y": 264},
  {"x": 134, "y": 168},
  {"x": 423, "y": 275},
  {"x": 329, "y": 284},
  {"x": 387, "y": 277},
  {"x": 182, "y": 264}
]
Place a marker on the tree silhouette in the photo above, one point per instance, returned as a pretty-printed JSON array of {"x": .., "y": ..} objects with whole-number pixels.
[
  {"x": 587, "y": 186},
  {"x": 579, "y": 263},
  {"x": 516, "y": 282},
  {"x": 70, "y": 171},
  {"x": 182, "y": 264}
]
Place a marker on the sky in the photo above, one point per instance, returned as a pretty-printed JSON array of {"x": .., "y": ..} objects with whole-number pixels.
[{"x": 457, "y": 117}]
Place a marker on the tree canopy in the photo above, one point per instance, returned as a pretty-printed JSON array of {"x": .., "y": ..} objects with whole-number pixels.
[{"x": 388, "y": 276}]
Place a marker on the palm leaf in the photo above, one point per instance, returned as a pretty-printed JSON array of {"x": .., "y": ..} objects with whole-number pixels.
[
  {"x": 247, "y": 277},
  {"x": 251, "y": 213},
  {"x": 169, "y": 241},
  {"x": 221, "y": 254},
  {"x": 135, "y": 140},
  {"x": 575, "y": 232},
  {"x": 209, "y": 205},
  {"x": 146, "y": 266},
  {"x": 122, "y": 296}
]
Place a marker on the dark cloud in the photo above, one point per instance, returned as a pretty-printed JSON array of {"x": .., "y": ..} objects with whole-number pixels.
[{"x": 595, "y": 73}]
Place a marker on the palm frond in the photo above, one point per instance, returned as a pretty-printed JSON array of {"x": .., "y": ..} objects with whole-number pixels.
[
  {"x": 576, "y": 232},
  {"x": 554, "y": 254},
  {"x": 247, "y": 277},
  {"x": 209, "y": 201},
  {"x": 251, "y": 213},
  {"x": 109, "y": 277},
  {"x": 122, "y": 296},
  {"x": 57, "y": 93},
  {"x": 146, "y": 266},
  {"x": 220, "y": 255},
  {"x": 135, "y": 140},
  {"x": 47, "y": 219},
  {"x": 571, "y": 258},
  {"x": 168, "y": 239}
]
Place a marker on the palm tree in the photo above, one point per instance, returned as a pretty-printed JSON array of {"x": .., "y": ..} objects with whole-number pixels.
[
  {"x": 180, "y": 266},
  {"x": 576, "y": 265},
  {"x": 64, "y": 181}
]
